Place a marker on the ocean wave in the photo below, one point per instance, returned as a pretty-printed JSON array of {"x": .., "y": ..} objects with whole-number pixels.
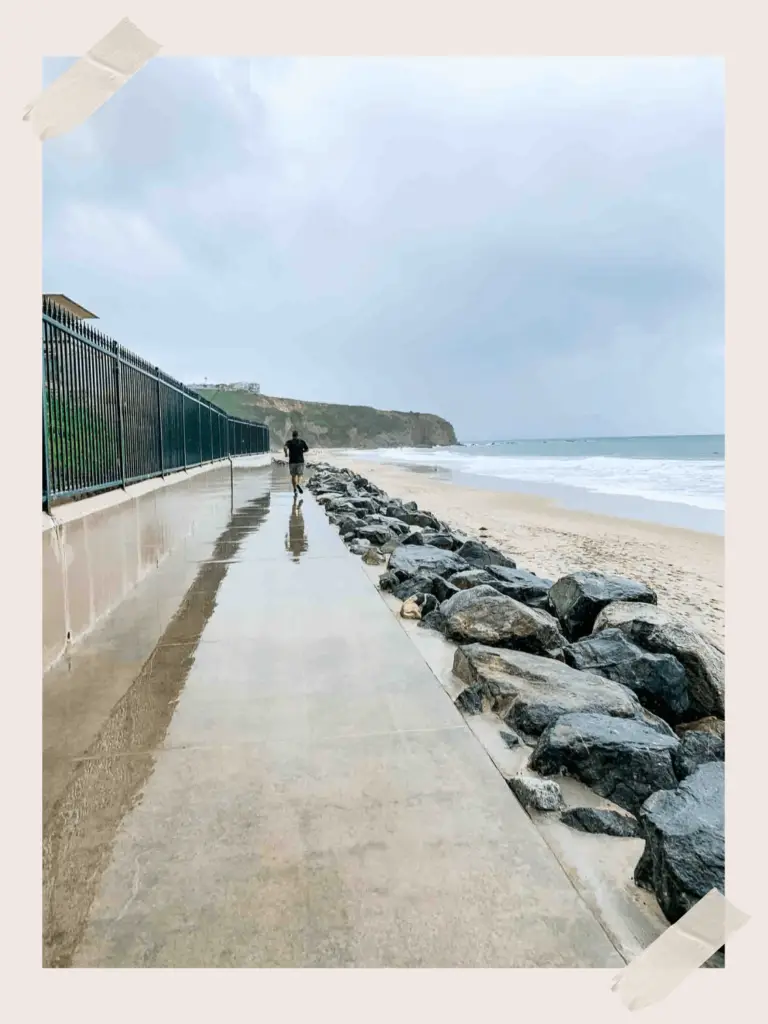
[{"x": 696, "y": 482}]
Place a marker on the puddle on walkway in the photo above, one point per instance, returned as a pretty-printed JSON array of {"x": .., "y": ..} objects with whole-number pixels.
[{"x": 109, "y": 777}]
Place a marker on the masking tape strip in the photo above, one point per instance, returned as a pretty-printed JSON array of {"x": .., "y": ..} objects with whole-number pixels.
[
  {"x": 89, "y": 83},
  {"x": 683, "y": 948}
]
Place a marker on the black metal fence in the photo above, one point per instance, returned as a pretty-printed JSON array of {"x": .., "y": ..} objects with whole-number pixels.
[{"x": 111, "y": 419}]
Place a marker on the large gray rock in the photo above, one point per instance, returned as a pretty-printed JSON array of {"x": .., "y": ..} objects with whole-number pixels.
[
  {"x": 622, "y": 759},
  {"x": 523, "y": 586},
  {"x": 421, "y": 583},
  {"x": 684, "y": 854},
  {"x": 530, "y": 693},
  {"x": 389, "y": 523},
  {"x": 375, "y": 534},
  {"x": 482, "y": 615},
  {"x": 606, "y": 821},
  {"x": 542, "y": 794},
  {"x": 443, "y": 589},
  {"x": 662, "y": 633},
  {"x": 469, "y": 578},
  {"x": 412, "y": 558},
  {"x": 658, "y": 680},
  {"x": 432, "y": 620},
  {"x": 413, "y": 518},
  {"x": 415, "y": 535},
  {"x": 481, "y": 555},
  {"x": 579, "y": 597},
  {"x": 696, "y": 749},
  {"x": 440, "y": 540},
  {"x": 515, "y": 583}
]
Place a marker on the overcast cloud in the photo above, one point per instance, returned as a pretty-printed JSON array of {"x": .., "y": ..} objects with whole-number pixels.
[{"x": 529, "y": 247}]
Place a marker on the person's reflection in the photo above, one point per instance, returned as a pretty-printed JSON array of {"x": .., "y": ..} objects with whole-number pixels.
[{"x": 296, "y": 541}]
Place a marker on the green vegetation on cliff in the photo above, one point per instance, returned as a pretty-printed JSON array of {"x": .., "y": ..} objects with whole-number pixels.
[{"x": 323, "y": 425}]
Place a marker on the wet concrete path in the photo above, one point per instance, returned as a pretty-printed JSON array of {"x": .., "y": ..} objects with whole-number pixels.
[{"x": 286, "y": 784}]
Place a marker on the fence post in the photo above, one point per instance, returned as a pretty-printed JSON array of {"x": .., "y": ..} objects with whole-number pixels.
[
  {"x": 46, "y": 451},
  {"x": 199, "y": 434},
  {"x": 210, "y": 425},
  {"x": 121, "y": 424},
  {"x": 184, "y": 427},
  {"x": 160, "y": 424}
]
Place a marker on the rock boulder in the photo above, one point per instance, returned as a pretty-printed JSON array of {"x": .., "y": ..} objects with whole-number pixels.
[
  {"x": 696, "y": 749},
  {"x": 482, "y": 615},
  {"x": 684, "y": 855},
  {"x": 412, "y": 558},
  {"x": 658, "y": 680},
  {"x": 542, "y": 794},
  {"x": 622, "y": 759},
  {"x": 662, "y": 633},
  {"x": 578, "y": 598},
  {"x": 606, "y": 821},
  {"x": 481, "y": 555},
  {"x": 530, "y": 693}
]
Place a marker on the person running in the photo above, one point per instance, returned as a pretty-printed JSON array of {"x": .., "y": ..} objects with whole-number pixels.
[{"x": 294, "y": 452}]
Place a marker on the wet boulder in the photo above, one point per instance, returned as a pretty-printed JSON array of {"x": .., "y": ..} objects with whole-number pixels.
[
  {"x": 660, "y": 632},
  {"x": 482, "y": 615},
  {"x": 423, "y": 519},
  {"x": 530, "y": 693},
  {"x": 412, "y": 558},
  {"x": 515, "y": 583},
  {"x": 684, "y": 854},
  {"x": 359, "y": 546},
  {"x": 440, "y": 540},
  {"x": 604, "y": 821},
  {"x": 696, "y": 749},
  {"x": 375, "y": 534},
  {"x": 541, "y": 794},
  {"x": 421, "y": 583},
  {"x": 390, "y": 579},
  {"x": 348, "y": 525},
  {"x": 443, "y": 589},
  {"x": 578, "y": 598},
  {"x": 414, "y": 536},
  {"x": 623, "y": 759},
  {"x": 481, "y": 555},
  {"x": 521, "y": 585},
  {"x": 363, "y": 504},
  {"x": 432, "y": 620},
  {"x": 394, "y": 526},
  {"x": 658, "y": 680},
  {"x": 471, "y": 578}
]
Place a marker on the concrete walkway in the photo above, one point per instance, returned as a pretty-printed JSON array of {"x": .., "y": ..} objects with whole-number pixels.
[{"x": 287, "y": 785}]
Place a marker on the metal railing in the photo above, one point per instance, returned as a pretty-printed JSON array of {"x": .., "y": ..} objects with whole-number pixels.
[{"x": 111, "y": 419}]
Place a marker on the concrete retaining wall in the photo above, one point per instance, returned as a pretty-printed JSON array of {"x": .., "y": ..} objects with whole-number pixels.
[{"x": 95, "y": 551}]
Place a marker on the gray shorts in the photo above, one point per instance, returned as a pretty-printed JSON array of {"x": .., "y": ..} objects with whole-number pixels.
[{"x": 296, "y": 468}]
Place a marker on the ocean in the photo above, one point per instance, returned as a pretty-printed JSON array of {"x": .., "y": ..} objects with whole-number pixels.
[{"x": 677, "y": 481}]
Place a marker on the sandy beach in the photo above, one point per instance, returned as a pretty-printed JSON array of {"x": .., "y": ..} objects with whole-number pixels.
[{"x": 685, "y": 568}]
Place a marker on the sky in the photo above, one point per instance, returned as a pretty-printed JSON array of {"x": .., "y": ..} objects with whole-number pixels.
[{"x": 530, "y": 247}]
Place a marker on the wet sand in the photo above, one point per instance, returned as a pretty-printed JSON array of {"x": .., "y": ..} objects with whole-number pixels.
[{"x": 686, "y": 568}]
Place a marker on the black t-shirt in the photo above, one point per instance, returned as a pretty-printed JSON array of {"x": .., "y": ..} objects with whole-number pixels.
[{"x": 296, "y": 448}]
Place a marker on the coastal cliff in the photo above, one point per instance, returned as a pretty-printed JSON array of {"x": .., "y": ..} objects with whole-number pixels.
[{"x": 324, "y": 425}]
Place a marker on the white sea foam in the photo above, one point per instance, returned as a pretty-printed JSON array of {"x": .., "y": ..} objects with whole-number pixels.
[{"x": 696, "y": 482}]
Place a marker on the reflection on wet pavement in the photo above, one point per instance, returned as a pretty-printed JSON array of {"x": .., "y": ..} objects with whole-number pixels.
[
  {"x": 105, "y": 781},
  {"x": 296, "y": 540}
]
